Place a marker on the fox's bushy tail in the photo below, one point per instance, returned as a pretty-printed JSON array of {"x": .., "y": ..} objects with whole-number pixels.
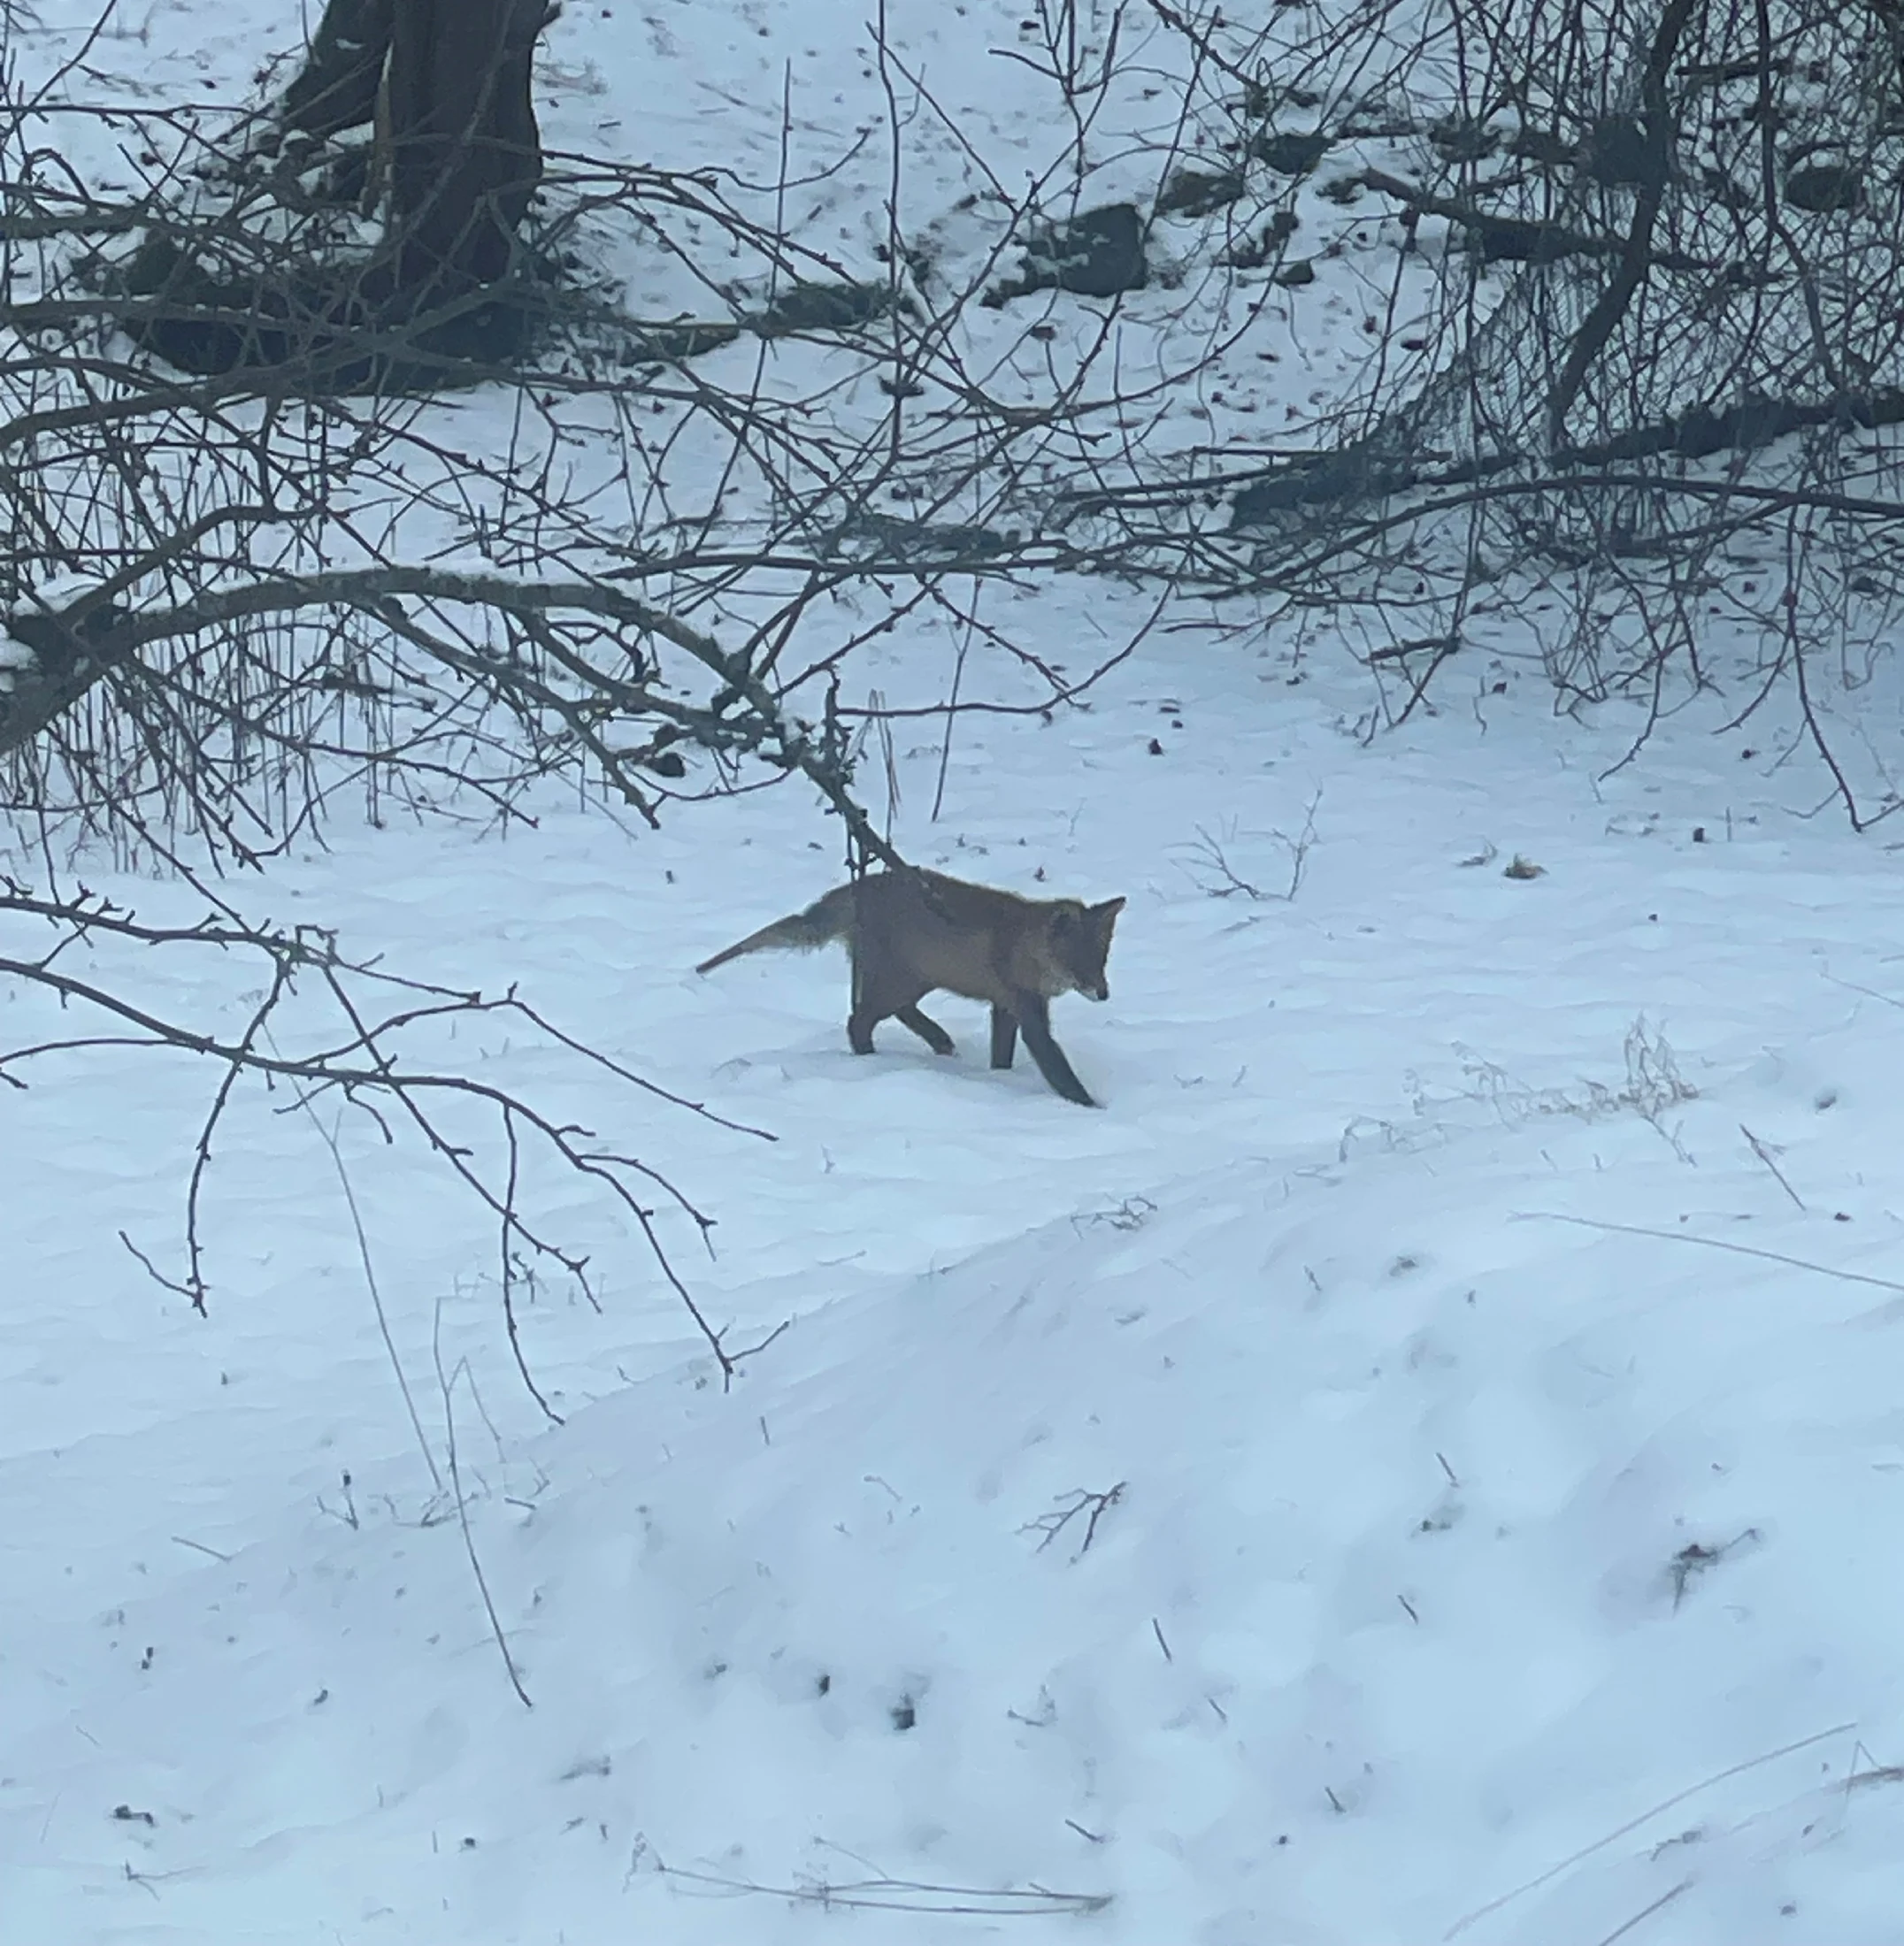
[{"x": 823, "y": 921}]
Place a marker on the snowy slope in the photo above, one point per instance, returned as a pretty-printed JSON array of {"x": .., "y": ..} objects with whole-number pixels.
[
  {"x": 1476, "y": 1567},
  {"x": 1407, "y": 1463}
]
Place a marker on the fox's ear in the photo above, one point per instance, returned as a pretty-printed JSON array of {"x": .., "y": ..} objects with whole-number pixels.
[{"x": 1108, "y": 910}]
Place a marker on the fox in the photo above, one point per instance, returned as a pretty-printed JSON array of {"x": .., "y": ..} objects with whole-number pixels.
[{"x": 912, "y": 933}]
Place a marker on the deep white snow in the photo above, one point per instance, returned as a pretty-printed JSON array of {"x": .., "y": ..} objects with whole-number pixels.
[{"x": 1469, "y": 1342}]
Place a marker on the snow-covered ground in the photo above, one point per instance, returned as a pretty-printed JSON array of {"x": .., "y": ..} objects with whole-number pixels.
[{"x": 1423, "y": 1461}]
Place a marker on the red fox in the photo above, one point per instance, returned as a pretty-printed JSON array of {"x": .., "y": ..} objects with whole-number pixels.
[{"x": 912, "y": 932}]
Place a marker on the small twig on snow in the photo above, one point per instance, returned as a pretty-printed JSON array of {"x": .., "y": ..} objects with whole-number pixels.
[
  {"x": 910, "y": 1896},
  {"x": 1765, "y": 1153},
  {"x": 1053, "y": 1523},
  {"x": 1710, "y": 1243}
]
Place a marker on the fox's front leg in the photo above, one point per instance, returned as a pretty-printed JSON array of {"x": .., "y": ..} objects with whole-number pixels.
[
  {"x": 1004, "y": 1037},
  {"x": 1035, "y": 1022}
]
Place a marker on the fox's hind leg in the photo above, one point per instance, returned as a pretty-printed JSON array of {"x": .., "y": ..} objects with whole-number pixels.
[
  {"x": 867, "y": 1013},
  {"x": 875, "y": 1000},
  {"x": 1004, "y": 1038},
  {"x": 864, "y": 1019},
  {"x": 926, "y": 1028}
]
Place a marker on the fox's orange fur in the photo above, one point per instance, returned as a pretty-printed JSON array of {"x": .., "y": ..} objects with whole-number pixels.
[{"x": 911, "y": 933}]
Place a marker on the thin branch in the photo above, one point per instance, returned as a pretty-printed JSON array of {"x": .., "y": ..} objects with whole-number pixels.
[{"x": 445, "y": 1382}]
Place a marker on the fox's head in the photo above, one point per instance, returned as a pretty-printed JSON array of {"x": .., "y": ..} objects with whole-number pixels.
[{"x": 1081, "y": 943}]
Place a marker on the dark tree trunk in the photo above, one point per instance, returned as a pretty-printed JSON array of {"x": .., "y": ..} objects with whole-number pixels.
[
  {"x": 337, "y": 88},
  {"x": 466, "y": 154}
]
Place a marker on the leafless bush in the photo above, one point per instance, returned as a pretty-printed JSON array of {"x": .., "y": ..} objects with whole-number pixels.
[
  {"x": 1633, "y": 375},
  {"x": 256, "y": 569},
  {"x": 322, "y": 1026}
]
